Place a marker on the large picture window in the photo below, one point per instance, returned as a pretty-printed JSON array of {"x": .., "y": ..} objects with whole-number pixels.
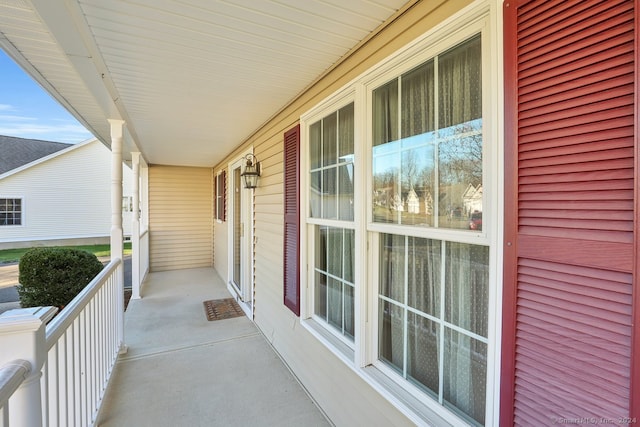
[
  {"x": 10, "y": 212},
  {"x": 427, "y": 149},
  {"x": 427, "y": 143}
]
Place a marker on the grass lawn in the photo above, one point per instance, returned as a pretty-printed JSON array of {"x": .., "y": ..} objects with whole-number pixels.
[{"x": 13, "y": 255}]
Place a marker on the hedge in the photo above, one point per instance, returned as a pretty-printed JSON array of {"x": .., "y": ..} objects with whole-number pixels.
[{"x": 54, "y": 276}]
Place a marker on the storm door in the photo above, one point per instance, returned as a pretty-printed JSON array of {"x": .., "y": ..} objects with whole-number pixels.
[{"x": 240, "y": 279}]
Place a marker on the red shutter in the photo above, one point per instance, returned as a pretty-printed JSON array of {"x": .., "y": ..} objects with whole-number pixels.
[
  {"x": 291, "y": 219},
  {"x": 569, "y": 218}
]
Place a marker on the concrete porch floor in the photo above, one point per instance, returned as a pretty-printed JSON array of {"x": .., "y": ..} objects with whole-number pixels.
[{"x": 182, "y": 370}]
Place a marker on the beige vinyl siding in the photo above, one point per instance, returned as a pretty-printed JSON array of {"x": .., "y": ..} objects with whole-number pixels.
[
  {"x": 319, "y": 370},
  {"x": 180, "y": 217}
]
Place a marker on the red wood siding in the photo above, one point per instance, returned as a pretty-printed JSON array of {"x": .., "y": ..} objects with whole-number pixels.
[
  {"x": 291, "y": 219},
  {"x": 570, "y": 201}
]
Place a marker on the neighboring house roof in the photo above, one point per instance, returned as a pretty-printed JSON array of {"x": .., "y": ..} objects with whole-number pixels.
[{"x": 16, "y": 152}]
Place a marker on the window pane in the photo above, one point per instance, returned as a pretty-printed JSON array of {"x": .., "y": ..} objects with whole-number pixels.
[
  {"x": 334, "y": 303},
  {"x": 392, "y": 268},
  {"x": 424, "y": 275},
  {"x": 465, "y": 372},
  {"x": 334, "y": 251},
  {"x": 329, "y": 194},
  {"x": 385, "y": 113},
  {"x": 345, "y": 200},
  {"x": 345, "y": 135},
  {"x": 348, "y": 255},
  {"x": 418, "y": 101},
  {"x": 333, "y": 287},
  {"x": 391, "y": 342},
  {"x": 386, "y": 196},
  {"x": 315, "y": 194},
  {"x": 320, "y": 295},
  {"x": 467, "y": 286},
  {"x": 417, "y": 185},
  {"x": 349, "y": 325},
  {"x": 460, "y": 84},
  {"x": 315, "y": 145},
  {"x": 423, "y": 355},
  {"x": 329, "y": 140},
  {"x": 460, "y": 159},
  {"x": 321, "y": 248}
]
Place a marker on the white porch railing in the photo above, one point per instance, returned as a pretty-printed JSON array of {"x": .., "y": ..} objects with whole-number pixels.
[
  {"x": 12, "y": 375},
  {"x": 72, "y": 358}
]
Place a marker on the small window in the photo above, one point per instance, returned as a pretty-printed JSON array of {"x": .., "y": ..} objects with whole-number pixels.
[
  {"x": 221, "y": 196},
  {"x": 127, "y": 203},
  {"x": 10, "y": 212}
]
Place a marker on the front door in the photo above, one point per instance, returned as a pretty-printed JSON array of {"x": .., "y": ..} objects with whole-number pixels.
[{"x": 240, "y": 280}]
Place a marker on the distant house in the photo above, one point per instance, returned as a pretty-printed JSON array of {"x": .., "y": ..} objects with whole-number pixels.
[{"x": 53, "y": 193}]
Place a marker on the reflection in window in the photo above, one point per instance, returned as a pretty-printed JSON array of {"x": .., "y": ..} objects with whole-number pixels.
[
  {"x": 433, "y": 302},
  {"x": 427, "y": 142},
  {"x": 331, "y": 157}
]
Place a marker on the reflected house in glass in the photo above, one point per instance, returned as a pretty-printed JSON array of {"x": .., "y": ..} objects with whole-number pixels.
[
  {"x": 413, "y": 202},
  {"x": 472, "y": 199}
]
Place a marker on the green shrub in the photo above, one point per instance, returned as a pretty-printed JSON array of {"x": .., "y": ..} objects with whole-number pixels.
[{"x": 54, "y": 276}]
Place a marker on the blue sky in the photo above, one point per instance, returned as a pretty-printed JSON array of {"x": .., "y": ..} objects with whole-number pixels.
[{"x": 28, "y": 111}]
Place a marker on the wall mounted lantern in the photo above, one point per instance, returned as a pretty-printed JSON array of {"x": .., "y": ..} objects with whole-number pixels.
[{"x": 251, "y": 171}]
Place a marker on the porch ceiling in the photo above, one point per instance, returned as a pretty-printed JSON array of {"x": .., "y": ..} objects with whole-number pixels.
[{"x": 191, "y": 78}]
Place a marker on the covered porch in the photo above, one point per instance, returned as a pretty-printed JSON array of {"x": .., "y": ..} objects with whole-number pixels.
[{"x": 181, "y": 369}]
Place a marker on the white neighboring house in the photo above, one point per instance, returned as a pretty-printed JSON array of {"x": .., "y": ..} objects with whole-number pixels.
[{"x": 57, "y": 194}]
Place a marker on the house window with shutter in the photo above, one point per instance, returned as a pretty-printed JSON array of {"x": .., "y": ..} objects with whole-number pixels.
[
  {"x": 221, "y": 196},
  {"x": 427, "y": 149},
  {"x": 291, "y": 249},
  {"x": 399, "y": 239},
  {"x": 10, "y": 212}
]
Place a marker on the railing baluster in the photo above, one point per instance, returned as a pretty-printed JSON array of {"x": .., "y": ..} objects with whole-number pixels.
[{"x": 82, "y": 345}]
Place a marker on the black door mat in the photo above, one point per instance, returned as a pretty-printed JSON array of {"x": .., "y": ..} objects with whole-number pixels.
[{"x": 219, "y": 309}]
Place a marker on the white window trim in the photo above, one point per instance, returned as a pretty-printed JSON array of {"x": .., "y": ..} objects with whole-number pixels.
[
  {"x": 481, "y": 15},
  {"x": 338, "y": 344},
  {"x": 23, "y": 217}
]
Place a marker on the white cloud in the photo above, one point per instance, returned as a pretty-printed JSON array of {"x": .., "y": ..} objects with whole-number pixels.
[
  {"x": 6, "y": 107},
  {"x": 9, "y": 118},
  {"x": 70, "y": 133}
]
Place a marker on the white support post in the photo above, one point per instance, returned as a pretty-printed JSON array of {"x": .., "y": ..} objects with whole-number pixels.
[
  {"x": 22, "y": 336},
  {"x": 135, "y": 228},
  {"x": 117, "y": 239}
]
